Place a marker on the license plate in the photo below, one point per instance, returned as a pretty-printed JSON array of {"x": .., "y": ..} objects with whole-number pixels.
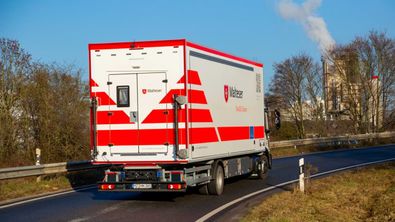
[{"x": 142, "y": 186}]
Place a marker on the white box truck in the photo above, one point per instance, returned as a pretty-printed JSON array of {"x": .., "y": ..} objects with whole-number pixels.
[{"x": 173, "y": 114}]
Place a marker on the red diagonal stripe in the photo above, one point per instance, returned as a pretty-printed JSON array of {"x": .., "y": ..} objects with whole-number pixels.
[
  {"x": 193, "y": 78},
  {"x": 169, "y": 96},
  {"x": 160, "y": 116},
  {"x": 116, "y": 117},
  {"x": 103, "y": 98},
  {"x": 200, "y": 115},
  {"x": 195, "y": 96},
  {"x": 93, "y": 83},
  {"x": 202, "y": 135},
  {"x": 195, "y": 115}
]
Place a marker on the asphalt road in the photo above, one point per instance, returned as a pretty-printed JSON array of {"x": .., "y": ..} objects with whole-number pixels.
[{"x": 90, "y": 205}]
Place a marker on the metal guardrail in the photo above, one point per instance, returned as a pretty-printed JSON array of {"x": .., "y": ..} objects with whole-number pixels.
[
  {"x": 52, "y": 168},
  {"x": 326, "y": 140},
  {"x": 44, "y": 169}
]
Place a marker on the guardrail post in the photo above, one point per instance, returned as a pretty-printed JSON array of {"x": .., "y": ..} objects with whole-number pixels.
[
  {"x": 38, "y": 156},
  {"x": 301, "y": 174},
  {"x": 38, "y": 162}
]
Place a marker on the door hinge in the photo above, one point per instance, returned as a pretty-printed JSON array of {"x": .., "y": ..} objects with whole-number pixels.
[
  {"x": 166, "y": 144},
  {"x": 110, "y": 144},
  {"x": 109, "y": 83},
  {"x": 109, "y": 113},
  {"x": 166, "y": 112},
  {"x": 164, "y": 81}
]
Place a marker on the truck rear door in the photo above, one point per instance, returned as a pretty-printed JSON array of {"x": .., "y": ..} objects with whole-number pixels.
[
  {"x": 153, "y": 119},
  {"x": 137, "y": 94}
]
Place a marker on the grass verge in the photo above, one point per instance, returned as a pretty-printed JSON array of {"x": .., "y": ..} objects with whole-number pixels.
[
  {"x": 16, "y": 188},
  {"x": 366, "y": 194},
  {"x": 24, "y": 187},
  {"x": 291, "y": 151}
]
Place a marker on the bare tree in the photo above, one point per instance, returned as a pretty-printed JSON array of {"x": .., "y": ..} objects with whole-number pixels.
[
  {"x": 58, "y": 114},
  {"x": 14, "y": 66},
  {"x": 297, "y": 80},
  {"x": 366, "y": 68},
  {"x": 41, "y": 106},
  {"x": 346, "y": 88},
  {"x": 314, "y": 91},
  {"x": 382, "y": 53}
]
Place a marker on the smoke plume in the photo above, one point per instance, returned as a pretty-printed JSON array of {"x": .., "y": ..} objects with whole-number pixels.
[{"x": 314, "y": 25}]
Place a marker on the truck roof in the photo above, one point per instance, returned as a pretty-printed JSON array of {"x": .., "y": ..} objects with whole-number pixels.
[{"x": 161, "y": 43}]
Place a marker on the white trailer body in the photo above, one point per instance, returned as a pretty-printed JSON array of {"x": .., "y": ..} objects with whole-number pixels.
[{"x": 138, "y": 121}]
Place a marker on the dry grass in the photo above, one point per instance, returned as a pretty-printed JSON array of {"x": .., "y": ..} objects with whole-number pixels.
[
  {"x": 23, "y": 187},
  {"x": 10, "y": 189},
  {"x": 291, "y": 151},
  {"x": 362, "y": 195}
]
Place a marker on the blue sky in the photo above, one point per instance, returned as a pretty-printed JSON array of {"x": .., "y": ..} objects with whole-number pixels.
[{"x": 60, "y": 30}]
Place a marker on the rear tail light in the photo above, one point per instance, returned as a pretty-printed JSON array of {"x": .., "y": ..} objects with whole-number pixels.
[
  {"x": 107, "y": 186},
  {"x": 176, "y": 186}
]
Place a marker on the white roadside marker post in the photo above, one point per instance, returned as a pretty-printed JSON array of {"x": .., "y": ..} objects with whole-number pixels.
[
  {"x": 38, "y": 162},
  {"x": 301, "y": 174}
]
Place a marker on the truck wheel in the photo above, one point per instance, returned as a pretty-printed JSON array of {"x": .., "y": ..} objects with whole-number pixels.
[
  {"x": 263, "y": 167},
  {"x": 216, "y": 186},
  {"x": 203, "y": 189}
]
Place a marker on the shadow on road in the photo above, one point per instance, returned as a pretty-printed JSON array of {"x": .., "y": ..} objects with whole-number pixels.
[{"x": 91, "y": 177}]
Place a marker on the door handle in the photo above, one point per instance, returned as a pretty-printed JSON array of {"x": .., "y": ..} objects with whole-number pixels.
[{"x": 133, "y": 116}]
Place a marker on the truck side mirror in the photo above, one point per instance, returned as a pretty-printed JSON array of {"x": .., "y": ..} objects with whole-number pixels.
[
  {"x": 277, "y": 119},
  {"x": 267, "y": 130}
]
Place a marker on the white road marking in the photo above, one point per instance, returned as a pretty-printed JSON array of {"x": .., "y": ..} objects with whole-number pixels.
[
  {"x": 102, "y": 212},
  {"x": 48, "y": 196},
  {"x": 80, "y": 219},
  {"x": 223, "y": 207},
  {"x": 219, "y": 209}
]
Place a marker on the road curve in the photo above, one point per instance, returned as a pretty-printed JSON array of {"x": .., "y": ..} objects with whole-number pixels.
[{"x": 90, "y": 205}]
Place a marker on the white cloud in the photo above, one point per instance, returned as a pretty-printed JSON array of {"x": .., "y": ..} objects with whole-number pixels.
[{"x": 314, "y": 25}]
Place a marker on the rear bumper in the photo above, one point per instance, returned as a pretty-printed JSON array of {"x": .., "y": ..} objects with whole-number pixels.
[
  {"x": 145, "y": 190},
  {"x": 149, "y": 186}
]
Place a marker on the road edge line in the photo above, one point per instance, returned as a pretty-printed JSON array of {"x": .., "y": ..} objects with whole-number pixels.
[
  {"x": 40, "y": 197},
  {"x": 223, "y": 207},
  {"x": 331, "y": 151}
]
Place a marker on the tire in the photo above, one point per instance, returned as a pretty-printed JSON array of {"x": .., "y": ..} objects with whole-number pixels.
[
  {"x": 216, "y": 186},
  {"x": 203, "y": 189},
  {"x": 263, "y": 167}
]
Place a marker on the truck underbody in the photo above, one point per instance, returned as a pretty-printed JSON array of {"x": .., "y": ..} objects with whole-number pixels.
[{"x": 176, "y": 178}]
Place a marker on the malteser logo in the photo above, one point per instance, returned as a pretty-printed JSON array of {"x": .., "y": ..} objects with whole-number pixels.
[
  {"x": 226, "y": 92},
  {"x": 232, "y": 91},
  {"x": 145, "y": 91}
]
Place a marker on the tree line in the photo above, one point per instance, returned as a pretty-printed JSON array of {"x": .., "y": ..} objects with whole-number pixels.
[
  {"x": 360, "y": 86},
  {"x": 45, "y": 105},
  {"x": 41, "y": 106}
]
